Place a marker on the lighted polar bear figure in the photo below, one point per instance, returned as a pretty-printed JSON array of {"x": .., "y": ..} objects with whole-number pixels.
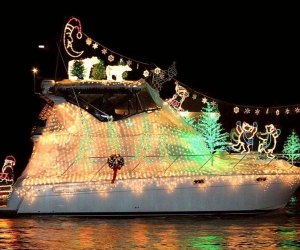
[
  {"x": 87, "y": 64},
  {"x": 243, "y": 136},
  {"x": 268, "y": 140},
  {"x": 116, "y": 71}
]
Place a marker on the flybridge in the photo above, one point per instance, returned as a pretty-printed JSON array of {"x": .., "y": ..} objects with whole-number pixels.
[{"x": 99, "y": 84}]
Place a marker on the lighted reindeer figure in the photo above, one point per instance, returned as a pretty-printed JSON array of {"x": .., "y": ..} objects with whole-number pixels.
[{"x": 182, "y": 93}]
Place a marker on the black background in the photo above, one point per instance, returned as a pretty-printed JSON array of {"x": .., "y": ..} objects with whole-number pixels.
[{"x": 248, "y": 55}]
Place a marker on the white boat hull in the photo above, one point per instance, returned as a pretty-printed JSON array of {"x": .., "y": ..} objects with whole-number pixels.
[{"x": 186, "y": 198}]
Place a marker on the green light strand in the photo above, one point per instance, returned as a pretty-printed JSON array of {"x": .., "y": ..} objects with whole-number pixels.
[
  {"x": 113, "y": 139},
  {"x": 86, "y": 141},
  {"x": 162, "y": 145},
  {"x": 144, "y": 144}
]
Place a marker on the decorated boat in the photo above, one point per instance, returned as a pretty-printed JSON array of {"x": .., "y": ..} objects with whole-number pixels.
[{"x": 108, "y": 146}]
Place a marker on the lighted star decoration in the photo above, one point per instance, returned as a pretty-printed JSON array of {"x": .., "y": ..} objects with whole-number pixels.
[
  {"x": 129, "y": 62},
  {"x": 194, "y": 96},
  {"x": 297, "y": 110},
  {"x": 257, "y": 111},
  {"x": 111, "y": 58},
  {"x": 95, "y": 46},
  {"x": 277, "y": 112},
  {"x": 204, "y": 100},
  {"x": 157, "y": 71},
  {"x": 213, "y": 103},
  {"x": 236, "y": 110},
  {"x": 129, "y": 123},
  {"x": 247, "y": 111},
  {"x": 88, "y": 41},
  {"x": 146, "y": 73},
  {"x": 104, "y": 51},
  {"x": 287, "y": 111}
]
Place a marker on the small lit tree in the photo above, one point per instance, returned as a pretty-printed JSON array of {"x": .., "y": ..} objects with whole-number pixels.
[
  {"x": 99, "y": 71},
  {"x": 123, "y": 63},
  {"x": 78, "y": 69},
  {"x": 208, "y": 125},
  {"x": 291, "y": 147}
]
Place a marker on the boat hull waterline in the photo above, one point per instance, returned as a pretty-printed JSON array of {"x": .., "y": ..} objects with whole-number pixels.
[{"x": 186, "y": 198}]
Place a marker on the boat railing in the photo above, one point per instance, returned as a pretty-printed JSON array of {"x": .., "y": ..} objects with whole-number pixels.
[
  {"x": 229, "y": 161},
  {"x": 161, "y": 166}
]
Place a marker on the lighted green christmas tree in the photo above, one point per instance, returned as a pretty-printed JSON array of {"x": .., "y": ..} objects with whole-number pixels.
[
  {"x": 125, "y": 74},
  {"x": 208, "y": 125},
  {"x": 99, "y": 71},
  {"x": 291, "y": 148},
  {"x": 78, "y": 69}
]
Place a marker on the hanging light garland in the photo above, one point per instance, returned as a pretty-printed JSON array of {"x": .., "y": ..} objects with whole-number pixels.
[{"x": 73, "y": 32}]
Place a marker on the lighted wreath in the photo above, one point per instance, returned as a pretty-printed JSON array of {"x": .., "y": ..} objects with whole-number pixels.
[{"x": 115, "y": 161}]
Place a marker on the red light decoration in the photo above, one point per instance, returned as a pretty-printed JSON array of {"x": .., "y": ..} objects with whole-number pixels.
[
  {"x": 115, "y": 162},
  {"x": 72, "y": 30}
]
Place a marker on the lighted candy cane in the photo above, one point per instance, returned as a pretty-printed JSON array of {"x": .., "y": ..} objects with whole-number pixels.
[{"x": 72, "y": 25}]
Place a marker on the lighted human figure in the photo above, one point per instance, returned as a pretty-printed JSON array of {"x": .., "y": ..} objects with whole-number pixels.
[
  {"x": 268, "y": 140},
  {"x": 243, "y": 136},
  {"x": 182, "y": 93},
  {"x": 7, "y": 168}
]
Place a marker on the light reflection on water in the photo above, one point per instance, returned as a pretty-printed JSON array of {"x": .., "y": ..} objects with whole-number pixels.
[{"x": 276, "y": 230}]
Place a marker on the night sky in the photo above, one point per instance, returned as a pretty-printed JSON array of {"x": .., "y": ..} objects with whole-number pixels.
[{"x": 244, "y": 57}]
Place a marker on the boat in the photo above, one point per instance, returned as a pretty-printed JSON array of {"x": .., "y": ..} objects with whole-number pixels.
[{"x": 114, "y": 147}]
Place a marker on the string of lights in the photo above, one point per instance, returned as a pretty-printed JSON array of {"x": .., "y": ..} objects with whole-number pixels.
[{"x": 158, "y": 77}]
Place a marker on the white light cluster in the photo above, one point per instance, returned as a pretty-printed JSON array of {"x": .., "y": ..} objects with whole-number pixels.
[{"x": 159, "y": 149}]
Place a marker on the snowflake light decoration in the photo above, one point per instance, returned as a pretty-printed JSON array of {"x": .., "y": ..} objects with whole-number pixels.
[
  {"x": 194, "y": 96},
  {"x": 129, "y": 62},
  {"x": 111, "y": 58},
  {"x": 247, "y": 111},
  {"x": 236, "y": 110},
  {"x": 277, "y": 112},
  {"x": 95, "y": 46},
  {"x": 204, "y": 100},
  {"x": 257, "y": 111},
  {"x": 287, "y": 111},
  {"x": 104, "y": 51},
  {"x": 146, "y": 73},
  {"x": 297, "y": 110},
  {"x": 213, "y": 103},
  {"x": 88, "y": 41},
  {"x": 157, "y": 71},
  {"x": 162, "y": 75}
]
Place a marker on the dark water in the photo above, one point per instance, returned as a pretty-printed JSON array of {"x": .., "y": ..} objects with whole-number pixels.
[{"x": 275, "y": 230}]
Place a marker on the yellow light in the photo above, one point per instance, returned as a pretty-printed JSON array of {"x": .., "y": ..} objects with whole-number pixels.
[{"x": 35, "y": 70}]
